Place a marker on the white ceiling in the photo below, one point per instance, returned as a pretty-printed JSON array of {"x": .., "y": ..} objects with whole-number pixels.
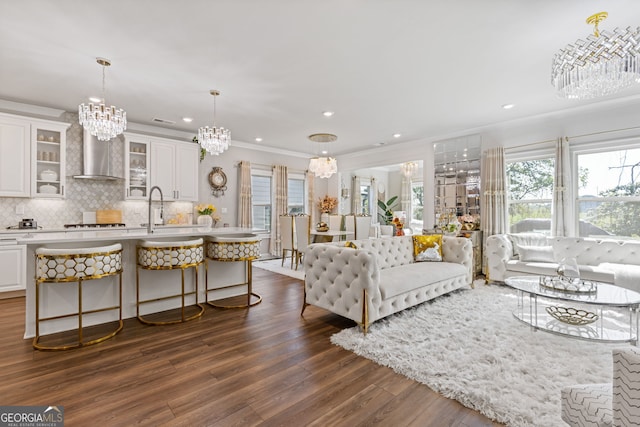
[{"x": 421, "y": 68}]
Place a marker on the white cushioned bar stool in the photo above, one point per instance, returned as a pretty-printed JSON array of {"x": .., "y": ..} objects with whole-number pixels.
[
  {"x": 159, "y": 255},
  {"x": 77, "y": 265},
  {"x": 233, "y": 248}
]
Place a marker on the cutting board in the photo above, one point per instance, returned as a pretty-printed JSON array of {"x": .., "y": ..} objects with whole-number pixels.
[{"x": 109, "y": 216}]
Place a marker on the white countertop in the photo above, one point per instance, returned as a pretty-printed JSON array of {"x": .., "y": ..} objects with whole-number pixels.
[{"x": 30, "y": 237}]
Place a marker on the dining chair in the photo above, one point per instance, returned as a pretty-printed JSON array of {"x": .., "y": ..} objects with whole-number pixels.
[
  {"x": 336, "y": 223},
  {"x": 303, "y": 235},
  {"x": 362, "y": 227},
  {"x": 287, "y": 242},
  {"x": 350, "y": 224}
]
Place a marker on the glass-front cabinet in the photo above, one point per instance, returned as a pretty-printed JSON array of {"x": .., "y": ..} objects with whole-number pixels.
[
  {"x": 48, "y": 160},
  {"x": 137, "y": 169}
]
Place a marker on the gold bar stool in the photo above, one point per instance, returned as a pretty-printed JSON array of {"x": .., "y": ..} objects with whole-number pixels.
[
  {"x": 77, "y": 265},
  {"x": 154, "y": 255},
  {"x": 233, "y": 249}
]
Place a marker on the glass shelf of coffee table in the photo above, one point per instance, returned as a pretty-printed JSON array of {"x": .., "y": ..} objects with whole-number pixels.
[{"x": 611, "y": 312}]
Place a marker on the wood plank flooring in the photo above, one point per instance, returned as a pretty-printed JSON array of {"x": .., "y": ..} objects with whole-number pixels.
[{"x": 262, "y": 366}]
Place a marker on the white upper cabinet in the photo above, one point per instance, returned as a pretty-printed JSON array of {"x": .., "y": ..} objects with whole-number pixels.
[
  {"x": 136, "y": 161},
  {"x": 187, "y": 162},
  {"x": 48, "y": 167},
  {"x": 15, "y": 157},
  {"x": 172, "y": 166}
]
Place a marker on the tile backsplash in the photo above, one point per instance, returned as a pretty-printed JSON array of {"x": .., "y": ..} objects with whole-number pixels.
[{"x": 83, "y": 195}]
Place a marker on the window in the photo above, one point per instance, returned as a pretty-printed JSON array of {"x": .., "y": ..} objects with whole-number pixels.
[
  {"x": 530, "y": 186},
  {"x": 417, "y": 206},
  {"x": 295, "y": 191},
  {"x": 365, "y": 199},
  {"x": 608, "y": 200},
  {"x": 261, "y": 202}
]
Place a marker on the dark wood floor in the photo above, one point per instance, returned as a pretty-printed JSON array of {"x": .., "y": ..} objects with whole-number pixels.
[{"x": 261, "y": 366}]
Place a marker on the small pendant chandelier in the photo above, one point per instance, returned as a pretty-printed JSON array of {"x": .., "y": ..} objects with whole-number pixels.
[
  {"x": 606, "y": 63},
  {"x": 325, "y": 166},
  {"x": 409, "y": 168},
  {"x": 101, "y": 121},
  {"x": 214, "y": 139}
]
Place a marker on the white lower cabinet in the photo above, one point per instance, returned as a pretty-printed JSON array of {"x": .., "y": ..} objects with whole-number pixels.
[{"x": 13, "y": 265}]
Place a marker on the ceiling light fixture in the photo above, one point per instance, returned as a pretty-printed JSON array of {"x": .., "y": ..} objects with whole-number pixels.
[
  {"x": 328, "y": 113},
  {"x": 101, "y": 121},
  {"x": 397, "y": 135},
  {"x": 258, "y": 139},
  {"x": 508, "y": 106},
  {"x": 214, "y": 139},
  {"x": 325, "y": 166},
  {"x": 187, "y": 119},
  {"x": 606, "y": 63},
  {"x": 409, "y": 168}
]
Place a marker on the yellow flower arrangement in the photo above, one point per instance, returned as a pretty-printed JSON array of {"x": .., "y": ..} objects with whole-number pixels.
[
  {"x": 327, "y": 204},
  {"x": 205, "y": 209}
]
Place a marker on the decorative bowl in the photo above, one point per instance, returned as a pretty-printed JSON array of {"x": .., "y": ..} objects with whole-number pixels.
[
  {"x": 48, "y": 189},
  {"x": 322, "y": 226},
  {"x": 49, "y": 175},
  {"x": 572, "y": 316}
]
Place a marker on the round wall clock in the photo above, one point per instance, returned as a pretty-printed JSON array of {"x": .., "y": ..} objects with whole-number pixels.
[{"x": 217, "y": 181}]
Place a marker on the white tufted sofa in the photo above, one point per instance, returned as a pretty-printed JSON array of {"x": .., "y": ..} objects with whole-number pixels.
[
  {"x": 380, "y": 277},
  {"x": 611, "y": 261}
]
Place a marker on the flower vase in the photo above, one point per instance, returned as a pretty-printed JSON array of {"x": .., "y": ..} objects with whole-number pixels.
[{"x": 205, "y": 221}]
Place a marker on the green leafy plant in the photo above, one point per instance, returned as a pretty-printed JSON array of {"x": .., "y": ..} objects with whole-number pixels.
[
  {"x": 203, "y": 152},
  {"x": 385, "y": 212}
]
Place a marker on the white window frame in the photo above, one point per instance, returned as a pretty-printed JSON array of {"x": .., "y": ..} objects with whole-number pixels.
[{"x": 269, "y": 174}]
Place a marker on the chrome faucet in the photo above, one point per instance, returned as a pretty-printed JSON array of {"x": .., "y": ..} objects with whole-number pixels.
[{"x": 151, "y": 223}]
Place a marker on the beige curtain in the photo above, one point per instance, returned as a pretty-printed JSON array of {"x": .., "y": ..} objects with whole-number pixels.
[
  {"x": 279, "y": 207},
  {"x": 493, "y": 206},
  {"x": 356, "y": 197},
  {"x": 311, "y": 196},
  {"x": 562, "y": 205},
  {"x": 244, "y": 197}
]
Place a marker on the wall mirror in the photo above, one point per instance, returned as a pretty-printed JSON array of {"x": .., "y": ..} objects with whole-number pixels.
[
  {"x": 382, "y": 183},
  {"x": 457, "y": 178}
]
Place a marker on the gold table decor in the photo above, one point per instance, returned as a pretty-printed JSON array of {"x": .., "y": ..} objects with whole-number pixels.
[{"x": 572, "y": 316}]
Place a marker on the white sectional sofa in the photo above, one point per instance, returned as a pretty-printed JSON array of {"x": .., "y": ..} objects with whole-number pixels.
[
  {"x": 605, "y": 260},
  {"x": 380, "y": 277}
]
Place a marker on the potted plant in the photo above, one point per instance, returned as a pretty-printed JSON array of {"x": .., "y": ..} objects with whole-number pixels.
[{"x": 385, "y": 214}]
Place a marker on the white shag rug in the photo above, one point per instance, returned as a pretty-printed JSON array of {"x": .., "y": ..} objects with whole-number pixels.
[
  {"x": 468, "y": 347},
  {"x": 274, "y": 266}
]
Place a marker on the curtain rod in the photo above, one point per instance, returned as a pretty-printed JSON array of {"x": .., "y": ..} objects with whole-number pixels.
[
  {"x": 575, "y": 136},
  {"x": 265, "y": 166}
]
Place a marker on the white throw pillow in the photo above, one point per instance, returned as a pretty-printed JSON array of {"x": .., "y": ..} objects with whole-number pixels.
[{"x": 536, "y": 253}]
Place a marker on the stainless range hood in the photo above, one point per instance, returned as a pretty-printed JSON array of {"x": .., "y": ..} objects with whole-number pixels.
[{"x": 96, "y": 157}]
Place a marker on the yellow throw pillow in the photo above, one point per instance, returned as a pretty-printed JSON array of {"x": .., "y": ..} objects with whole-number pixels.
[
  {"x": 427, "y": 248},
  {"x": 350, "y": 245}
]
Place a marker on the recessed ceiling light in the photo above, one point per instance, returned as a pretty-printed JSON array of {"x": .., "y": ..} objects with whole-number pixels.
[
  {"x": 327, "y": 113},
  {"x": 258, "y": 139},
  {"x": 508, "y": 106},
  {"x": 324, "y": 152},
  {"x": 95, "y": 99},
  {"x": 397, "y": 135},
  {"x": 187, "y": 119}
]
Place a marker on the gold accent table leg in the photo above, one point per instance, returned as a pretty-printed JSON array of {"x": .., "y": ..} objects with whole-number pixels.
[{"x": 80, "y": 311}]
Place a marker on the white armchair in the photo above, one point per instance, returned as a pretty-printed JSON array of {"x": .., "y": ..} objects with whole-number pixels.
[{"x": 616, "y": 404}]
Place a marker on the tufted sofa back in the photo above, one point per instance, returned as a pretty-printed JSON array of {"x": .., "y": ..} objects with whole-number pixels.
[
  {"x": 596, "y": 251},
  {"x": 389, "y": 253}
]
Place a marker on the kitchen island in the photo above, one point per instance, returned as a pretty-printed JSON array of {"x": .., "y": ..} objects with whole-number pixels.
[{"x": 60, "y": 298}]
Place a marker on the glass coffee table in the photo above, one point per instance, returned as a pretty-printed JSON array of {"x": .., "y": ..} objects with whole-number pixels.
[{"x": 608, "y": 313}]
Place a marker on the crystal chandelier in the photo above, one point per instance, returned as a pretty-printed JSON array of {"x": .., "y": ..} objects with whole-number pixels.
[
  {"x": 604, "y": 64},
  {"x": 214, "y": 139},
  {"x": 102, "y": 121},
  {"x": 323, "y": 167},
  {"x": 409, "y": 168}
]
